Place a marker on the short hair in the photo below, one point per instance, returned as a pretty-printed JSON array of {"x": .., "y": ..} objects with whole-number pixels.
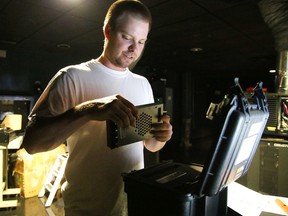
[{"x": 133, "y": 7}]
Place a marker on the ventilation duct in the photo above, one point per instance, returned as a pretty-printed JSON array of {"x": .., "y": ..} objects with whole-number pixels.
[{"x": 275, "y": 15}]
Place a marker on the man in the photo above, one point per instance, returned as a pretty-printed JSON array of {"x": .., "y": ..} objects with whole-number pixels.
[{"x": 78, "y": 100}]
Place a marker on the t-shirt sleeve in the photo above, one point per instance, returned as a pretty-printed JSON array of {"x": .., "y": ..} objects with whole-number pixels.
[{"x": 57, "y": 97}]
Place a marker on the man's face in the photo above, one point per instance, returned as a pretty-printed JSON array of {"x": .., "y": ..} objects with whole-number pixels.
[{"x": 126, "y": 42}]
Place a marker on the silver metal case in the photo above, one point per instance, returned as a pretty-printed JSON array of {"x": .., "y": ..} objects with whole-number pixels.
[{"x": 147, "y": 115}]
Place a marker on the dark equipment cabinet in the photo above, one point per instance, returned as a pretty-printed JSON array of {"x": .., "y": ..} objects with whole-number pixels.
[
  {"x": 175, "y": 189},
  {"x": 268, "y": 172}
]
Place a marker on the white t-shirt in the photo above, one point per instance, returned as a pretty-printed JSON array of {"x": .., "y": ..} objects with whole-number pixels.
[{"x": 94, "y": 184}]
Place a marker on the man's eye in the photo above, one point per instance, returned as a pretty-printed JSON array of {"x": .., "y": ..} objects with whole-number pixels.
[{"x": 126, "y": 37}]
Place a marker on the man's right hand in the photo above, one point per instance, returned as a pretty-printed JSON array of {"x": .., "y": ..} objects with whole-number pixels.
[{"x": 115, "y": 108}]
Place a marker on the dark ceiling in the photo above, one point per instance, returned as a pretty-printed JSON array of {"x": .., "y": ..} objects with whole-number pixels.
[{"x": 231, "y": 33}]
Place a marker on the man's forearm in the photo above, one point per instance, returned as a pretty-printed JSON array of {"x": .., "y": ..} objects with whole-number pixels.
[{"x": 43, "y": 134}]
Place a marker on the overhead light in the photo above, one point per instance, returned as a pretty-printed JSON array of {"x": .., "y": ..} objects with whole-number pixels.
[
  {"x": 196, "y": 49},
  {"x": 64, "y": 46},
  {"x": 272, "y": 71}
]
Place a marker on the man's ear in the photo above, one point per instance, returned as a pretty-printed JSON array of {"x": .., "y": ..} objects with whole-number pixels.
[{"x": 107, "y": 30}]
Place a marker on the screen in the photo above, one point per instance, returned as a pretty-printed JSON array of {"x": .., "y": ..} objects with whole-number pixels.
[
  {"x": 284, "y": 114},
  {"x": 16, "y": 105}
]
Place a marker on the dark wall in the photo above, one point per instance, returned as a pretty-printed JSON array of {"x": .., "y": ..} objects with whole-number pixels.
[
  {"x": 21, "y": 68},
  {"x": 193, "y": 92}
]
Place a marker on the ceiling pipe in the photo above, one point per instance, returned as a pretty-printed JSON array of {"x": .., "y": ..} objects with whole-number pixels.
[
  {"x": 282, "y": 70},
  {"x": 275, "y": 15}
]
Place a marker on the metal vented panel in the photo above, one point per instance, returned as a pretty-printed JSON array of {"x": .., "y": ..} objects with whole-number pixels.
[
  {"x": 147, "y": 115},
  {"x": 273, "y": 110}
]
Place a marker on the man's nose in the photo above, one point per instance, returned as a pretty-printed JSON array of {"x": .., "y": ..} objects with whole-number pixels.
[{"x": 133, "y": 46}]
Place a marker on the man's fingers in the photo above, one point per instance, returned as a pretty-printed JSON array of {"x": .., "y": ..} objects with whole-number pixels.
[
  {"x": 132, "y": 109},
  {"x": 162, "y": 131},
  {"x": 123, "y": 112},
  {"x": 115, "y": 108}
]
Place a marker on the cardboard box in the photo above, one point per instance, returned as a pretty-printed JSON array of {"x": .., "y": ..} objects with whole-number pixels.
[{"x": 30, "y": 171}]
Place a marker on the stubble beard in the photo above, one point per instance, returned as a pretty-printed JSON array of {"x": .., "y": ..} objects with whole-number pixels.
[{"x": 123, "y": 63}]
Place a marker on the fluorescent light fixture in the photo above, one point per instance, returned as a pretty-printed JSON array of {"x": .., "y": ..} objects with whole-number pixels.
[
  {"x": 196, "y": 49},
  {"x": 64, "y": 46}
]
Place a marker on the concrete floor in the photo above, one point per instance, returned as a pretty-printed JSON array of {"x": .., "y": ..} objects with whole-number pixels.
[{"x": 34, "y": 207}]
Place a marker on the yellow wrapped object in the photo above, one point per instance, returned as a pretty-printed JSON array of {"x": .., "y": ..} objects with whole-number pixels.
[{"x": 30, "y": 171}]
